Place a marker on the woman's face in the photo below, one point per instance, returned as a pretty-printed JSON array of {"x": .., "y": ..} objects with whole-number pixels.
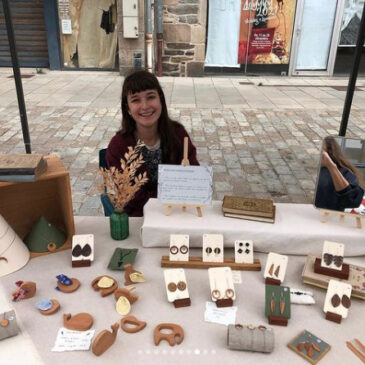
[{"x": 145, "y": 108}]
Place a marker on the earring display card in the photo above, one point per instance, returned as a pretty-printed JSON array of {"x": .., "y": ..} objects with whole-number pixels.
[
  {"x": 121, "y": 257},
  {"x": 179, "y": 247},
  {"x": 82, "y": 250},
  {"x": 213, "y": 248},
  {"x": 176, "y": 286},
  {"x": 277, "y": 303},
  {"x": 243, "y": 252},
  {"x": 338, "y": 298},
  {"x": 221, "y": 283},
  {"x": 332, "y": 255},
  {"x": 276, "y": 266},
  {"x": 309, "y": 346}
]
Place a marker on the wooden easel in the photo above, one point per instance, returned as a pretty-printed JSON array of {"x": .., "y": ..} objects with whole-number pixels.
[
  {"x": 184, "y": 162},
  {"x": 342, "y": 215}
]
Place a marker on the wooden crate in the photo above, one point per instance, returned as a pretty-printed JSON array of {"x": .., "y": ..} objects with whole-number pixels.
[{"x": 22, "y": 203}]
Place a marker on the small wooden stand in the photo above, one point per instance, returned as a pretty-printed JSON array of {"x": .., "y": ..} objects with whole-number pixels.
[
  {"x": 342, "y": 216},
  {"x": 330, "y": 316},
  {"x": 340, "y": 274},
  {"x": 278, "y": 321},
  {"x": 198, "y": 263},
  {"x": 222, "y": 303},
  {"x": 179, "y": 303},
  {"x": 271, "y": 281},
  {"x": 81, "y": 263},
  {"x": 184, "y": 162}
]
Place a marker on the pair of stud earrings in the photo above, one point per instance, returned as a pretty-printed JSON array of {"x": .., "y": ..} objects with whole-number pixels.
[
  {"x": 172, "y": 287},
  {"x": 216, "y": 294},
  {"x": 209, "y": 250},
  {"x": 183, "y": 249},
  {"x": 241, "y": 246},
  {"x": 345, "y": 301}
]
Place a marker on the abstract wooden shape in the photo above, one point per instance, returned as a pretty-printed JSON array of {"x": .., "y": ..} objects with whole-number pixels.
[
  {"x": 132, "y": 276},
  {"x": 176, "y": 335},
  {"x": 78, "y": 322},
  {"x": 104, "y": 291},
  {"x": 55, "y": 307},
  {"x": 104, "y": 340},
  {"x": 137, "y": 325},
  {"x": 25, "y": 290},
  {"x": 126, "y": 292},
  {"x": 68, "y": 288}
]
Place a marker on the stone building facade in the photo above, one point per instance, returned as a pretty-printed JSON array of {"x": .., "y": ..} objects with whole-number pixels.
[{"x": 184, "y": 39}]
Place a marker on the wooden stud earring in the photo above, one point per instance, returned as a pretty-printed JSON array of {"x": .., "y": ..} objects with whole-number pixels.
[
  {"x": 171, "y": 287},
  {"x": 335, "y": 301},
  {"x": 346, "y": 301},
  {"x": 181, "y": 285}
]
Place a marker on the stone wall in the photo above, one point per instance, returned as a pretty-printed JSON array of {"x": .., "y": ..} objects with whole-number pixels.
[
  {"x": 129, "y": 46},
  {"x": 184, "y": 29}
]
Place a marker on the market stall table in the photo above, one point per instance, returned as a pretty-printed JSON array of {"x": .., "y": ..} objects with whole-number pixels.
[{"x": 204, "y": 343}]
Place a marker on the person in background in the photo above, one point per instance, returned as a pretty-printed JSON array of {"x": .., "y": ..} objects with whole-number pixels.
[
  {"x": 339, "y": 181},
  {"x": 145, "y": 117}
]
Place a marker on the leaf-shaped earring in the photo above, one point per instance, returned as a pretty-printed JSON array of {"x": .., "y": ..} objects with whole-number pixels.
[
  {"x": 277, "y": 271},
  {"x": 335, "y": 301},
  {"x": 271, "y": 270},
  {"x": 272, "y": 303},
  {"x": 327, "y": 257},
  {"x": 282, "y": 303},
  {"x": 338, "y": 260},
  {"x": 346, "y": 301}
]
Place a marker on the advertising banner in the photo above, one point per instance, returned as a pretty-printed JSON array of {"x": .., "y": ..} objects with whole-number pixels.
[{"x": 266, "y": 28}]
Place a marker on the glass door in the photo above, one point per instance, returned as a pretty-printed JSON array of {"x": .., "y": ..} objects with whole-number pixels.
[{"x": 316, "y": 36}]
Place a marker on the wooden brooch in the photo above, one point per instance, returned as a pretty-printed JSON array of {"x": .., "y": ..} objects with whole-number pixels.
[
  {"x": 136, "y": 325},
  {"x": 104, "y": 340},
  {"x": 106, "y": 284},
  {"x": 66, "y": 284},
  {"x": 176, "y": 335},
  {"x": 48, "y": 307},
  {"x": 26, "y": 290},
  {"x": 132, "y": 276},
  {"x": 78, "y": 322}
]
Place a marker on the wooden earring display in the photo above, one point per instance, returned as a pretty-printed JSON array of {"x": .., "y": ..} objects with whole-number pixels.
[
  {"x": 82, "y": 250},
  {"x": 341, "y": 215},
  {"x": 177, "y": 288},
  {"x": 275, "y": 269},
  {"x": 331, "y": 263},
  {"x": 277, "y": 304},
  {"x": 221, "y": 286},
  {"x": 337, "y": 302},
  {"x": 213, "y": 251}
]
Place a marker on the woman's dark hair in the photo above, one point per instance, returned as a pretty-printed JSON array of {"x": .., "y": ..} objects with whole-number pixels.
[
  {"x": 335, "y": 152},
  {"x": 140, "y": 81}
]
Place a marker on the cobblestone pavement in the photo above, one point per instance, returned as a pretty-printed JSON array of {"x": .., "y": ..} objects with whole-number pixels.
[{"x": 261, "y": 135}]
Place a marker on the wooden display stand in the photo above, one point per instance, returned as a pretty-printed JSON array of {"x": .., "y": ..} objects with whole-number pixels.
[
  {"x": 333, "y": 317},
  {"x": 22, "y": 203},
  {"x": 278, "y": 321},
  {"x": 271, "y": 281},
  {"x": 184, "y": 162},
  {"x": 198, "y": 263},
  {"x": 342, "y": 216},
  {"x": 340, "y": 274}
]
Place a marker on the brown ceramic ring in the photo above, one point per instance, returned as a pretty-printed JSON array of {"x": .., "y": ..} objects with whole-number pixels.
[
  {"x": 181, "y": 285},
  {"x": 216, "y": 294},
  {"x": 184, "y": 249},
  {"x": 238, "y": 326},
  {"x": 51, "y": 247},
  {"x": 174, "y": 250},
  {"x": 229, "y": 293},
  {"x": 171, "y": 287},
  {"x": 262, "y": 327}
]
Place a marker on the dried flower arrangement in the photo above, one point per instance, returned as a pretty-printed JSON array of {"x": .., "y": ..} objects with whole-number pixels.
[{"x": 122, "y": 184}]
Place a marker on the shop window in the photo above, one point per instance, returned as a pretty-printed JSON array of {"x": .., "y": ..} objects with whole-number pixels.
[{"x": 88, "y": 32}]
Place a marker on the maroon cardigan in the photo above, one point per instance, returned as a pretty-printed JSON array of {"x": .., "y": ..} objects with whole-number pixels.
[{"x": 118, "y": 146}]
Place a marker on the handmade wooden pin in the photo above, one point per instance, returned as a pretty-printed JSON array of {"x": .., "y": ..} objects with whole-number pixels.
[
  {"x": 106, "y": 284},
  {"x": 176, "y": 336},
  {"x": 66, "y": 284},
  {"x": 136, "y": 325},
  {"x": 48, "y": 307},
  {"x": 132, "y": 276},
  {"x": 104, "y": 340},
  {"x": 26, "y": 290},
  {"x": 78, "y": 322}
]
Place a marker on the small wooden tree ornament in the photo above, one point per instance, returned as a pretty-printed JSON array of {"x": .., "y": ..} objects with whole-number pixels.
[
  {"x": 104, "y": 340},
  {"x": 184, "y": 162}
]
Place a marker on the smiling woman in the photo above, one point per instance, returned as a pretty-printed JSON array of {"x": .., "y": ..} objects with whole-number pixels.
[{"x": 145, "y": 117}]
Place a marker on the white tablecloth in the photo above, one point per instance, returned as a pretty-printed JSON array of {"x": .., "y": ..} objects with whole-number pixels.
[
  {"x": 297, "y": 229},
  {"x": 204, "y": 343}
]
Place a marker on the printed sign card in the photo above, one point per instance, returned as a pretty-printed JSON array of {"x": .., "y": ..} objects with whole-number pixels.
[{"x": 179, "y": 184}]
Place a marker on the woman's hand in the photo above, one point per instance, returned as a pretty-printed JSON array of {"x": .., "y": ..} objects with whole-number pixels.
[{"x": 326, "y": 160}]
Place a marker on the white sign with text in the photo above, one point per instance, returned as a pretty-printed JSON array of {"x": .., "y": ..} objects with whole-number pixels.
[{"x": 179, "y": 184}]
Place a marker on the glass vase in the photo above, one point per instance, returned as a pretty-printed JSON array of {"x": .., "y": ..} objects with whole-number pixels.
[{"x": 119, "y": 225}]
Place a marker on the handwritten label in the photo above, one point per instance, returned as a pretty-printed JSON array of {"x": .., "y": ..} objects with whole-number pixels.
[
  {"x": 224, "y": 316},
  {"x": 68, "y": 340},
  {"x": 179, "y": 184}
]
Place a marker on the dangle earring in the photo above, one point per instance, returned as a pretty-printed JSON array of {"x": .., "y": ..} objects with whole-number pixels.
[
  {"x": 282, "y": 303},
  {"x": 272, "y": 303}
]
